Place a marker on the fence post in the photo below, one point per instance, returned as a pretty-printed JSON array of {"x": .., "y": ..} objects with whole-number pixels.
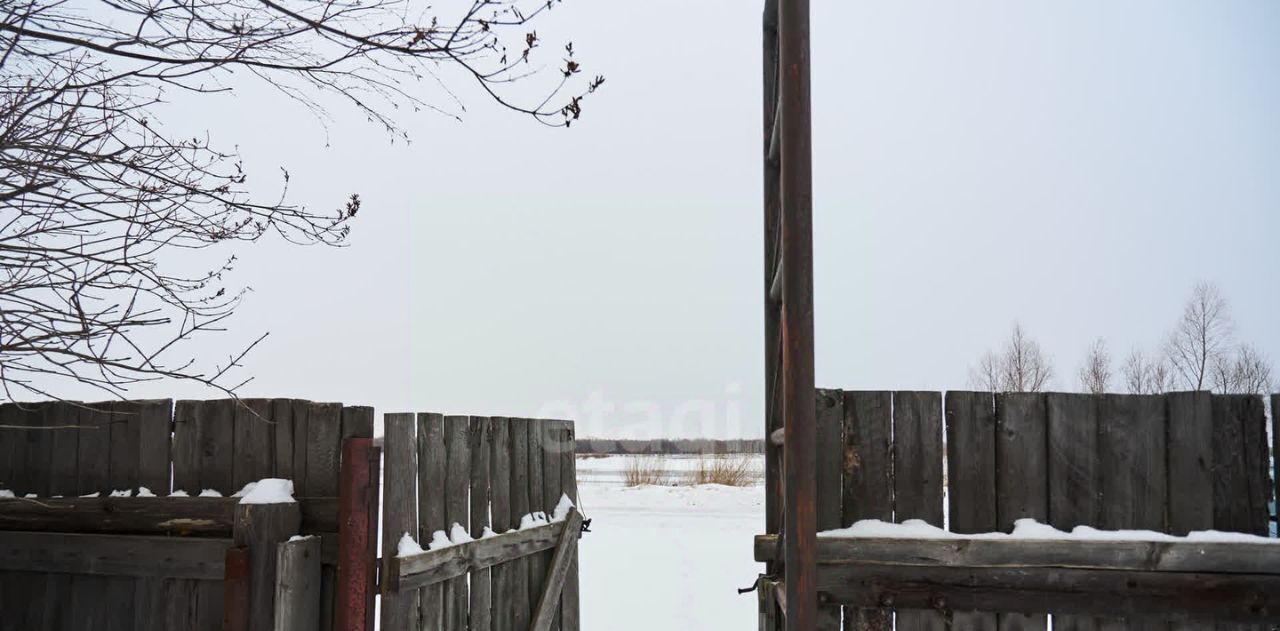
[
  {"x": 260, "y": 528},
  {"x": 235, "y": 590},
  {"x": 297, "y": 601},
  {"x": 357, "y": 521}
]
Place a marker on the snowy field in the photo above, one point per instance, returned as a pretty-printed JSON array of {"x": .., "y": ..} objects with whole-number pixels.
[{"x": 666, "y": 557}]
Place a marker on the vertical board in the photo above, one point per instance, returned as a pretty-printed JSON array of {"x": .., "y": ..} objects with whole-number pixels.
[
  {"x": 570, "y": 620},
  {"x": 520, "y": 506},
  {"x": 155, "y": 428},
  {"x": 917, "y": 478},
  {"x": 93, "y": 460},
  {"x": 1073, "y": 474},
  {"x": 282, "y": 439},
  {"x": 1275, "y": 454},
  {"x": 323, "y": 440},
  {"x": 551, "y": 489},
  {"x": 300, "y": 411},
  {"x": 1022, "y": 475},
  {"x": 62, "y": 482},
  {"x": 1131, "y": 452},
  {"x": 39, "y": 445},
  {"x": 254, "y": 441},
  {"x": 500, "y": 488},
  {"x": 1190, "y": 444},
  {"x": 971, "y": 478},
  {"x": 214, "y": 422},
  {"x": 457, "y": 432},
  {"x": 431, "y": 510},
  {"x": 118, "y": 592},
  {"x": 481, "y": 587},
  {"x": 537, "y": 562},
  {"x": 829, "y": 416},
  {"x": 868, "y": 479},
  {"x": 297, "y": 589},
  {"x": 399, "y": 610},
  {"x": 186, "y": 448}
]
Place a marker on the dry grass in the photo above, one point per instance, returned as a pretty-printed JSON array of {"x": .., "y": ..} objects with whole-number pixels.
[
  {"x": 643, "y": 470},
  {"x": 727, "y": 469}
]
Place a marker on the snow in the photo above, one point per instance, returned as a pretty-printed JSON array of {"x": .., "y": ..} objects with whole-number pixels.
[
  {"x": 7, "y": 493},
  {"x": 210, "y": 493},
  {"x": 533, "y": 520},
  {"x": 643, "y": 539},
  {"x": 29, "y": 496},
  {"x": 93, "y": 494},
  {"x": 179, "y": 493},
  {"x": 1030, "y": 529},
  {"x": 145, "y": 492},
  {"x": 408, "y": 546},
  {"x": 268, "y": 491},
  {"x": 123, "y": 493},
  {"x": 439, "y": 540},
  {"x": 300, "y": 537},
  {"x": 248, "y": 488},
  {"x": 562, "y": 508}
]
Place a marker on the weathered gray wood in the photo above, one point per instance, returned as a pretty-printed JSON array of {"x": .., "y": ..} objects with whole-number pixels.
[
  {"x": 1190, "y": 444},
  {"x": 434, "y": 566},
  {"x": 254, "y": 441},
  {"x": 63, "y": 468},
  {"x": 35, "y": 474},
  {"x": 520, "y": 506},
  {"x": 282, "y": 439},
  {"x": 119, "y": 515},
  {"x": 155, "y": 427},
  {"x": 971, "y": 478},
  {"x": 868, "y": 478},
  {"x": 261, "y": 528},
  {"x": 1237, "y": 500},
  {"x": 113, "y": 555},
  {"x": 324, "y": 437},
  {"x": 215, "y": 421},
  {"x": 93, "y": 461},
  {"x": 1174, "y": 596},
  {"x": 297, "y": 604},
  {"x": 123, "y": 462},
  {"x": 829, "y": 417},
  {"x": 566, "y": 548},
  {"x": 432, "y": 462},
  {"x": 1275, "y": 450},
  {"x": 537, "y": 562},
  {"x": 186, "y": 452},
  {"x": 1147, "y": 556},
  {"x": 1022, "y": 476},
  {"x": 569, "y": 595},
  {"x": 1131, "y": 450},
  {"x": 399, "y": 609},
  {"x": 12, "y": 444},
  {"x": 457, "y": 432},
  {"x": 301, "y": 412},
  {"x": 357, "y": 422},
  {"x": 500, "y": 507},
  {"x": 481, "y": 604},
  {"x": 1073, "y": 473},
  {"x": 917, "y": 475}
]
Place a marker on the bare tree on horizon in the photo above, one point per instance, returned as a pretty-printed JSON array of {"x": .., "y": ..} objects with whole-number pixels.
[
  {"x": 1095, "y": 373},
  {"x": 1143, "y": 374},
  {"x": 1201, "y": 336},
  {"x": 1021, "y": 366},
  {"x": 1247, "y": 371}
]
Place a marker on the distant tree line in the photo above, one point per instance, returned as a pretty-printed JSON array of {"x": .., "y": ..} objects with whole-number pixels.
[
  {"x": 670, "y": 446},
  {"x": 1200, "y": 353}
]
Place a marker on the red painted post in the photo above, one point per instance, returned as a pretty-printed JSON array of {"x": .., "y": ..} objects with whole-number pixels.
[
  {"x": 235, "y": 590},
  {"x": 357, "y": 534}
]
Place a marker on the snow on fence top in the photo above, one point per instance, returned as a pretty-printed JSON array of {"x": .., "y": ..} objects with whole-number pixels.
[{"x": 1030, "y": 529}]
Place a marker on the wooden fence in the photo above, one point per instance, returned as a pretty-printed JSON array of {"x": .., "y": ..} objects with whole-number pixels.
[
  {"x": 68, "y": 561},
  {"x": 1171, "y": 463},
  {"x": 479, "y": 472}
]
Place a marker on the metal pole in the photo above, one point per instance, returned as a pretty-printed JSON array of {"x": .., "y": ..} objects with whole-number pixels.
[{"x": 795, "y": 177}]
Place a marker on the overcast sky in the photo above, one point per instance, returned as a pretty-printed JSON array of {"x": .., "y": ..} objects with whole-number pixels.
[{"x": 1075, "y": 166}]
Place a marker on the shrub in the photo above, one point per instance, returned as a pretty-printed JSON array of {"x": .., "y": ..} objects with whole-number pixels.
[
  {"x": 729, "y": 470},
  {"x": 642, "y": 470}
]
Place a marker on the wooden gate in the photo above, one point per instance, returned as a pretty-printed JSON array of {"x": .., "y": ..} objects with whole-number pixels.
[{"x": 476, "y": 485}]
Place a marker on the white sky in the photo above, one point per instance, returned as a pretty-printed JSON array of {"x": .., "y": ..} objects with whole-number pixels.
[{"x": 1077, "y": 166}]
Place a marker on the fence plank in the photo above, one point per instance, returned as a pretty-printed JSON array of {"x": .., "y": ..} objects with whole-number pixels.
[
  {"x": 481, "y": 587},
  {"x": 324, "y": 433},
  {"x": 62, "y": 482},
  {"x": 155, "y": 426},
  {"x": 551, "y": 487},
  {"x": 113, "y": 555},
  {"x": 830, "y": 431},
  {"x": 1275, "y": 452},
  {"x": 254, "y": 439},
  {"x": 917, "y": 475},
  {"x": 1131, "y": 448},
  {"x": 357, "y": 422},
  {"x": 537, "y": 562},
  {"x": 297, "y": 605},
  {"x": 301, "y": 412},
  {"x": 1022, "y": 475},
  {"x": 1190, "y": 444},
  {"x": 261, "y": 528},
  {"x": 443, "y": 564},
  {"x": 399, "y": 610},
  {"x": 457, "y": 433},
  {"x": 118, "y": 592},
  {"x": 569, "y": 595},
  {"x": 500, "y": 486},
  {"x": 520, "y": 506},
  {"x": 282, "y": 439},
  {"x": 431, "y": 506},
  {"x": 868, "y": 478},
  {"x": 39, "y": 450},
  {"x": 93, "y": 461},
  {"x": 971, "y": 478},
  {"x": 1073, "y": 474},
  {"x": 186, "y": 449}
]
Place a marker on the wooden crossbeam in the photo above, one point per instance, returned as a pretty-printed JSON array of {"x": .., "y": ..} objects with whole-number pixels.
[
  {"x": 114, "y": 555},
  {"x": 147, "y": 515},
  {"x": 566, "y": 548},
  {"x": 433, "y": 566}
]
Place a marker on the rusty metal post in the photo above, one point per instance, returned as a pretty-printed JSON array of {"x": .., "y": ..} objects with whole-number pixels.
[
  {"x": 799, "y": 435},
  {"x": 357, "y": 534}
]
